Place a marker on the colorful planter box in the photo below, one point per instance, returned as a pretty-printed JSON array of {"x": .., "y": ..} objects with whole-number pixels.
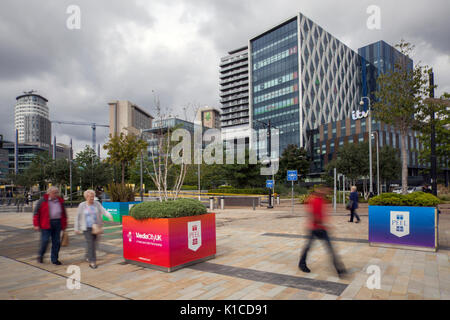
[
  {"x": 404, "y": 227},
  {"x": 169, "y": 244},
  {"x": 118, "y": 209}
]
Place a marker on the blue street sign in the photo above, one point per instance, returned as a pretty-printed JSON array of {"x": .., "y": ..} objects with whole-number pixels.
[
  {"x": 269, "y": 183},
  {"x": 292, "y": 175}
]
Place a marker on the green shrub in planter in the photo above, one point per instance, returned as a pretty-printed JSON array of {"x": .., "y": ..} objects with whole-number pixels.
[
  {"x": 167, "y": 209},
  {"x": 415, "y": 199}
]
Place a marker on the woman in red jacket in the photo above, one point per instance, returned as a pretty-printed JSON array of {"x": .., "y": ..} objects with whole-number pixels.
[{"x": 50, "y": 217}]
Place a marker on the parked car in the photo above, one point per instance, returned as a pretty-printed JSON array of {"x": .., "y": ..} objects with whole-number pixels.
[
  {"x": 415, "y": 189},
  {"x": 397, "y": 190}
]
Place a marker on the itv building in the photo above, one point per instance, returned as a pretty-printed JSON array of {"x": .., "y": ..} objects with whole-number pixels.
[{"x": 308, "y": 84}]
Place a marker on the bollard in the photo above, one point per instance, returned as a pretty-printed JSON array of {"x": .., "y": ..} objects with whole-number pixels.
[
  {"x": 254, "y": 204},
  {"x": 211, "y": 203},
  {"x": 278, "y": 199},
  {"x": 222, "y": 203}
]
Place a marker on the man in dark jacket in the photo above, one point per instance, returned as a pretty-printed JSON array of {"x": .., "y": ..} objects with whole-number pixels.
[
  {"x": 354, "y": 198},
  {"x": 50, "y": 217}
]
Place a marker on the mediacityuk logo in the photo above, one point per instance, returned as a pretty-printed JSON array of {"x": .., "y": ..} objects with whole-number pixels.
[{"x": 194, "y": 235}]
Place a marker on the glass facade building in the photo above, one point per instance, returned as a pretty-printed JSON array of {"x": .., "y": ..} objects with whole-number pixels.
[{"x": 301, "y": 77}]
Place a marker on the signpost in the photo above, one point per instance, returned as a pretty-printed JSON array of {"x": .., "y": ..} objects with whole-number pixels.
[
  {"x": 292, "y": 175},
  {"x": 269, "y": 185}
]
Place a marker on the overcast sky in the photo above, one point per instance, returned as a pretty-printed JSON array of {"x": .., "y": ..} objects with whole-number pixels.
[{"x": 137, "y": 49}]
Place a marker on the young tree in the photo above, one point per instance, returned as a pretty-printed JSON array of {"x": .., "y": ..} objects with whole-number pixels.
[
  {"x": 390, "y": 165},
  {"x": 399, "y": 96},
  {"x": 123, "y": 150}
]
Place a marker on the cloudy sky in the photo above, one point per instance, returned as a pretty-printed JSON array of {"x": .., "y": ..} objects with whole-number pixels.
[{"x": 139, "y": 49}]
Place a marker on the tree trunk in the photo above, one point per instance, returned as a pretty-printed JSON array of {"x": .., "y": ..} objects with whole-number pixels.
[
  {"x": 404, "y": 163},
  {"x": 123, "y": 173}
]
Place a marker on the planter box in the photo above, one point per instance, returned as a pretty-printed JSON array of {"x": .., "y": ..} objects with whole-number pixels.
[
  {"x": 169, "y": 244},
  {"x": 118, "y": 209},
  {"x": 404, "y": 227}
]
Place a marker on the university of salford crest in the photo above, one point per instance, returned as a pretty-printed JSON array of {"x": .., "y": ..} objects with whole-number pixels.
[
  {"x": 194, "y": 235},
  {"x": 399, "y": 223}
]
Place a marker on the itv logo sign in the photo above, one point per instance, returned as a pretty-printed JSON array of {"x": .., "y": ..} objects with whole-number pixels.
[{"x": 400, "y": 223}]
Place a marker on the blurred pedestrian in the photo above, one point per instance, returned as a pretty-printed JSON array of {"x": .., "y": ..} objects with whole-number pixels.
[
  {"x": 50, "y": 218},
  {"x": 426, "y": 189},
  {"x": 89, "y": 220},
  {"x": 354, "y": 204},
  {"x": 318, "y": 211}
]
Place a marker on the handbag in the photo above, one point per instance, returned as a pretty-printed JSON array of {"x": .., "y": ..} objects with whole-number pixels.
[
  {"x": 97, "y": 229},
  {"x": 349, "y": 205},
  {"x": 65, "y": 239}
]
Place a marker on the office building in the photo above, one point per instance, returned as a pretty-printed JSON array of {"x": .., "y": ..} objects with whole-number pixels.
[
  {"x": 126, "y": 117},
  {"x": 301, "y": 76},
  {"x": 379, "y": 58},
  {"x": 31, "y": 119},
  {"x": 208, "y": 117}
]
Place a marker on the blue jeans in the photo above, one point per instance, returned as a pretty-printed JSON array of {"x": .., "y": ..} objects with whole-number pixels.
[{"x": 55, "y": 233}]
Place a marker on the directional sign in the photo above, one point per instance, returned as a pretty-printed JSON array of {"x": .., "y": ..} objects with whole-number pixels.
[
  {"x": 269, "y": 183},
  {"x": 292, "y": 175}
]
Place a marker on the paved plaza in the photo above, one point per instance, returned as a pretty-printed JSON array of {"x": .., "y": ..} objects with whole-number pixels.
[{"x": 257, "y": 259}]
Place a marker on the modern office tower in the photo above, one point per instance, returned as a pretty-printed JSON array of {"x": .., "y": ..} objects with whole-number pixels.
[
  {"x": 126, "y": 117},
  {"x": 31, "y": 118},
  {"x": 234, "y": 91},
  {"x": 379, "y": 58},
  {"x": 301, "y": 77}
]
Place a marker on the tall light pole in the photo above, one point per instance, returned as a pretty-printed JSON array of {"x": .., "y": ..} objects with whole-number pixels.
[{"x": 370, "y": 144}]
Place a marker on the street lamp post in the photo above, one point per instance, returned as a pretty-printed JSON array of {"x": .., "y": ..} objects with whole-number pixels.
[
  {"x": 370, "y": 144},
  {"x": 378, "y": 163}
]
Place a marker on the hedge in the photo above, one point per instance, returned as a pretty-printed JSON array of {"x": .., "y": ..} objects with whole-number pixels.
[
  {"x": 240, "y": 191},
  {"x": 167, "y": 209},
  {"x": 415, "y": 199}
]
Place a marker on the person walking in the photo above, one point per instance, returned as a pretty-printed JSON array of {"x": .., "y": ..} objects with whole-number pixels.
[
  {"x": 354, "y": 205},
  {"x": 50, "y": 218},
  {"x": 317, "y": 209},
  {"x": 89, "y": 213}
]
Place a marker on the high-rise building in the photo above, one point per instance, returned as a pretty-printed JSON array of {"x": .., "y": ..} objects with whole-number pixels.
[
  {"x": 126, "y": 117},
  {"x": 31, "y": 118},
  {"x": 301, "y": 76},
  {"x": 379, "y": 58}
]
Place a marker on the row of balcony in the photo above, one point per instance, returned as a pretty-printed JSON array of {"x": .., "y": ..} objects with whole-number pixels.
[
  {"x": 234, "y": 97},
  {"x": 233, "y": 72},
  {"x": 235, "y": 109},
  {"x": 234, "y": 66},
  {"x": 235, "y": 116},
  {"x": 240, "y": 89},
  {"x": 230, "y": 123},
  {"x": 240, "y": 76},
  {"x": 234, "y": 84},
  {"x": 235, "y": 103},
  {"x": 230, "y": 59}
]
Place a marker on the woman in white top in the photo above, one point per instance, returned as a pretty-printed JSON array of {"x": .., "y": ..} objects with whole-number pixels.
[{"x": 90, "y": 212}]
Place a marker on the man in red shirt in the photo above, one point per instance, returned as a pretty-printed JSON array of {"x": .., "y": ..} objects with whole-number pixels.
[{"x": 317, "y": 208}]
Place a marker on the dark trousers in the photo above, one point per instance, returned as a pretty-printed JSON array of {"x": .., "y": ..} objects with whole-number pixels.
[
  {"x": 91, "y": 243},
  {"x": 322, "y": 235},
  {"x": 354, "y": 214},
  {"x": 55, "y": 233}
]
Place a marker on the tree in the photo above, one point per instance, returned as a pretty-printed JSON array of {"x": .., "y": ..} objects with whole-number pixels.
[
  {"x": 123, "y": 150},
  {"x": 442, "y": 131},
  {"x": 92, "y": 171},
  {"x": 390, "y": 165},
  {"x": 399, "y": 96},
  {"x": 293, "y": 158}
]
